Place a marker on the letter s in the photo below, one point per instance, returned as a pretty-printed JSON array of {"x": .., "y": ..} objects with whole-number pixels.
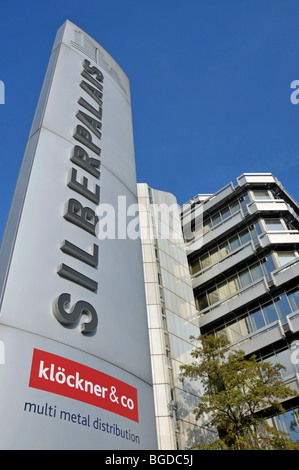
[
  {"x": 75, "y": 313},
  {"x": 293, "y": 98},
  {"x": 93, "y": 70}
]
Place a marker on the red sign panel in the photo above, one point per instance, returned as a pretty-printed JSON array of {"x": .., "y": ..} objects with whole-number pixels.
[{"x": 71, "y": 379}]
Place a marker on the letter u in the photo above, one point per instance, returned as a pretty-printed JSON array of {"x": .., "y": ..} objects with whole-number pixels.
[{"x": 42, "y": 409}]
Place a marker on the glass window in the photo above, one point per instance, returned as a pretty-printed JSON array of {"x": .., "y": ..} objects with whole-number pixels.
[
  {"x": 214, "y": 255},
  {"x": 234, "y": 331},
  {"x": 222, "y": 334},
  {"x": 223, "y": 290},
  {"x": 244, "y": 326},
  {"x": 205, "y": 260},
  {"x": 225, "y": 213},
  {"x": 261, "y": 194},
  {"x": 268, "y": 265},
  {"x": 270, "y": 313},
  {"x": 233, "y": 284},
  {"x": 254, "y": 235},
  {"x": 202, "y": 302},
  {"x": 213, "y": 296},
  {"x": 234, "y": 242},
  {"x": 288, "y": 422},
  {"x": 274, "y": 224},
  {"x": 244, "y": 202},
  {"x": 207, "y": 225},
  {"x": 257, "y": 227},
  {"x": 285, "y": 257},
  {"x": 282, "y": 306},
  {"x": 244, "y": 236},
  {"x": 234, "y": 207},
  {"x": 257, "y": 320},
  {"x": 194, "y": 266},
  {"x": 284, "y": 359},
  {"x": 256, "y": 271},
  {"x": 294, "y": 299},
  {"x": 245, "y": 278},
  {"x": 216, "y": 219},
  {"x": 224, "y": 249}
]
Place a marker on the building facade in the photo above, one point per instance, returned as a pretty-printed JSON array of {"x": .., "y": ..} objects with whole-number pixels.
[
  {"x": 93, "y": 328},
  {"x": 244, "y": 267},
  {"x": 241, "y": 247},
  {"x": 172, "y": 319}
]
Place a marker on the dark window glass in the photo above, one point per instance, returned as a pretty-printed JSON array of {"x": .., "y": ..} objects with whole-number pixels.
[
  {"x": 294, "y": 299},
  {"x": 256, "y": 271},
  {"x": 244, "y": 236},
  {"x": 234, "y": 207},
  {"x": 216, "y": 219},
  {"x": 282, "y": 306},
  {"x": 274, "y": 224},
  {"x": 194, "y": 266},
  {"x": 245, "y": 278},
  {"x": 202, "y": 302},
  {"x": 225, "y": 213},
  {"x": 260, "y": 194},
  {"x": 270, "y": 313},
  {"x": 234, "y": 242},
  {"x": 257, "y": 320},
  {"x": 268, "y": 265}
]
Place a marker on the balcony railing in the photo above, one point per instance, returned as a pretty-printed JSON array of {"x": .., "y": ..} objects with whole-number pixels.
[
  {"x": 221, "y": 265},
  {"x": 286, "y": 272},
  {"x": 267, "y": 205},
  {"x": 278, "y": 236},
  {"x": 233, "y": 301},
  {"x": 200, "y": 238}
]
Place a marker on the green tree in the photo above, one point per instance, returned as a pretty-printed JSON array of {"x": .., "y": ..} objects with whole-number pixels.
[{"x": 237, "y": 393}]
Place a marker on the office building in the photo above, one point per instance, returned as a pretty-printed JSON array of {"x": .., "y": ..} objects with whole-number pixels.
[
  {"x": 241, "y": 244},
  {"x": 172, "y": 319},
  {"x": 94, "y": 328}
]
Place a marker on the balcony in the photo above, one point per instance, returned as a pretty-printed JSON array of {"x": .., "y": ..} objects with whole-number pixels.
[
  {"x": 265, "y": 336},
  {"x": 279, "y": 237},
  {"x": 203, "y": 238},
  {"x": 220, "y": 266},
  {"x": 268, "y": 205},
  {"x": 293, "y": 321},
  {"x": 286, "y": 273},
  {"x": 268, "y": 334},
  {"x": 233, "y": 302},
  {"x": 218, "y": 197},
  {"x": 249, "y": 178}
]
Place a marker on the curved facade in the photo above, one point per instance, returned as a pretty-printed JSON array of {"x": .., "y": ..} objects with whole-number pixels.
[
  {"x": 73, "y": 325},
  {"x": 244, "y": 265}
]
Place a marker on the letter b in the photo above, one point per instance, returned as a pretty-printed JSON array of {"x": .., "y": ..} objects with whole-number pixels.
[{"x": 83, "y": 217}]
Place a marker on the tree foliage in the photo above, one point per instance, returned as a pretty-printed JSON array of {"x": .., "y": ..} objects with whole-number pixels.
[{"x": 237, "y": 393}]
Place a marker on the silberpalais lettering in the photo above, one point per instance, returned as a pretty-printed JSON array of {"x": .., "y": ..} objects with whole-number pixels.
[{"x": 83, "y": 217}]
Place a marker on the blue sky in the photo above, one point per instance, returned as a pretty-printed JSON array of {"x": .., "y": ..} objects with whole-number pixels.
[{"x": 210, "y": 85}]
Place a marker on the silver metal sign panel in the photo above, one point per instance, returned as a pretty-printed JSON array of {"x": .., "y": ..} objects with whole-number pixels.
[{"x": 73, "y": 322}]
